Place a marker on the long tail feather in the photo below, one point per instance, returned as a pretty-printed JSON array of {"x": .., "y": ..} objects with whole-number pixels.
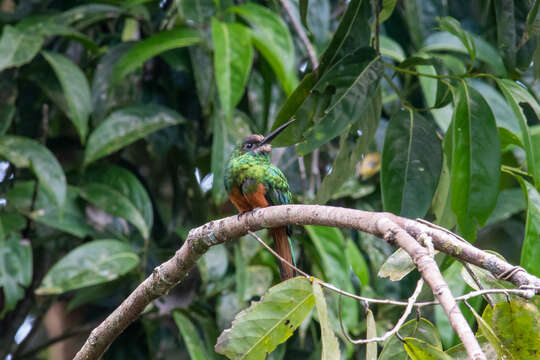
[{"x": 283, "y": 248}]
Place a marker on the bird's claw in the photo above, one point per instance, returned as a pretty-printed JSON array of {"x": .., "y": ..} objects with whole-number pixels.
[{"x": 239, "y": 216}]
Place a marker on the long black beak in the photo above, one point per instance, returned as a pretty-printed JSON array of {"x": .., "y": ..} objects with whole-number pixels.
[{"x": 275, "y": 133}]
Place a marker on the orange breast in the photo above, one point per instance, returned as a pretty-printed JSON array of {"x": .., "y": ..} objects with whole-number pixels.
[
  {"x": 238, "y": 199},
  {"x": 257, "y": 199}
]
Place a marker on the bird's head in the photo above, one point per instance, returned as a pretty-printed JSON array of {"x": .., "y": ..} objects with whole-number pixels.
[{"x": 259, "y": 144}]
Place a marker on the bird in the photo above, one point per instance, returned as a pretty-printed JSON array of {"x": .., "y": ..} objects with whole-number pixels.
[{"x": 252, "y": 181}]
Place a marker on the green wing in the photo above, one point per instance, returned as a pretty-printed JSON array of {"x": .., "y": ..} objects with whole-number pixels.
[{"x": 277, "y": 187}]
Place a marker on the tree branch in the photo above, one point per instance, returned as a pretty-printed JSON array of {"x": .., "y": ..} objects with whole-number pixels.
[{"x": 409, "y": 234}]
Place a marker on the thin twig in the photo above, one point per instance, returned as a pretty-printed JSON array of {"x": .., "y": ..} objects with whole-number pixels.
[
  {"x": 315, "y": 179},
  {"x": 395, "y": 329},
  {"x": 300, "y": 31}
]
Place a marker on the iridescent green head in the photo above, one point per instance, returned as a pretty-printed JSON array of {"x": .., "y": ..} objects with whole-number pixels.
[{"x": 258, "y": 144}]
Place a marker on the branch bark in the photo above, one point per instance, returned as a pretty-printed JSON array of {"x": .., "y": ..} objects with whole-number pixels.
[{"x": 400, "y": 231}]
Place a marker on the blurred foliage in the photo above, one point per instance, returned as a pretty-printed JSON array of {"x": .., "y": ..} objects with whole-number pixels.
[{"x": 117, "y": 119}]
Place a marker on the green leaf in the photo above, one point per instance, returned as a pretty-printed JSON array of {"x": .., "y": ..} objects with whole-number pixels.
[
  {"x": 453, "y": 26},
  {"x": 10, "y": 222},
  {"x": 240, "y": 273},
  {"x": 411, "y": 165},
  {"x": 330, "y": 246},
  {"x": 213, "y": 264},
  {"x": 233, "y": 55},
  {"x": 509, "y": 202},
  {"x": 420, "y": 329},
  {"x": 487, "y": 281},
  {"x": 485, "y": 329},
  {"x": 127, "y": 125},
  {"x": 517, "y": 324},
  {"x": 387, "y": 10},
  {"x": 441, "y": 206},
  {"x": 259, "y": 279},
  {"x": 371, "y": 332},
  {"x": 26, "y": 153},
  {"x": 347, "y": 89},
  {"x": 303, "y": 5},
  {"x": 391, "y": 49},
  {"x": 476, "y": 161},
  {"x": 444, "y": 41},
  {"x": 257, "y": 331},
  {"x": 112, "y": 201},
  {"x": 152, "y": 46},
  {"x": 96, "y": 262},
  {"x": 76, "y": 90},
  {"x": 330, "y": 345},
  {"x": 397, "y": 266},
  {"x": 358, "y": 263},
  {"x": 70, "y": 218},
  {"x": 516, "y": 96},
  {"x": 18, "y": 47},
  {"x": 506, "y": 31},
  {"x": 533, "y": 20},
  {"x": 420, "y": 350},
  {"x": 127, "y": 184},
  {"x": 459, "y": 352},
  {"x": 191, "y": 336},
  {"x": 273, "y": 39},
  {"x": 85, "y": 15},
  {"x": 15, "y": 271},
  {"x": 530, "y": 250},
  {"x": 7, "y": 112},
  {"x": 352, "y": 147}
]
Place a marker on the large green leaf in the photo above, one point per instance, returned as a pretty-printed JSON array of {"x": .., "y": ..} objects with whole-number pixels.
[
  {"x": 516, "y": 95},
  {"x": 112, "y": 201},
  {"x": 330, "y": 246},
  {"x": 420, "y": 350},
  {"x": 257, "y": 331},
  {"x": 233, "y": 55},
  {"x": 127, "y": 125},
  {"x": 391, "y": 49},
  {"x": 273, "y": 39},
  {"x": 76, "y": 90},
  {"x": 18, "y": 47},
  {"x": 358, "y": 263},
  {"x": 530, "y": 250},
  {"x": 152, "y": 46},
  {"x": 15, "y": 271},
  {"x": 190, "y": 334},
  {"x": 451, "y": 25},
  {"x": 70, "y": 218},
  {"x": 96, "y": 262},
  {"x": 346, "y": 90},
  {"x": 476, "y": 161},
  {"x": 411, "y": 165},
  {"x": 330, "y": 345},
  {"x": 26, "y": 153},
  {"x": 517, "y": 324},
  {"x": 506, "y": 31}
]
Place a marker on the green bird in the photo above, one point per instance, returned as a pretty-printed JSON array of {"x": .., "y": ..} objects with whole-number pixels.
[{"x": 252, "y": 182}]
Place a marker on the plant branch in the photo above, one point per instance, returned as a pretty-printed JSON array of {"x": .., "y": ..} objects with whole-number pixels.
[{"x": 395, "y": 229}]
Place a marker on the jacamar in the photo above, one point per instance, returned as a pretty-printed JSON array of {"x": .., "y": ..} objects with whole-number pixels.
[{"x": 252, "y": 181}]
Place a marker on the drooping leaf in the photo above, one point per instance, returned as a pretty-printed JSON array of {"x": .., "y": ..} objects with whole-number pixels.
[
  {"x": 330, "y": 345},
  {"x": 127, "y": 125},
  {"x": 391, "y": 49},
  {"x": 421, "y": 17},
  {"x": 15, "y": 271},
  {"x": 531, "y": 243},
  {"x": 420, "y": 350},
  {"x": 358, "y": 263},
  {"x": 273, "y": 39},
  {"x": 371, "y": 332},
  {"x": 7, "y": 111},
  {"x": 76, "y": 90},
  {"x": 191, "y": 336},
  {"x": 70, "y": 218},
  {"x": 411, "y": 165},
  {"x": 509, "y": 202},
  {"x": 516, "y": 95},
  {"x": 487, "y": 281},
  {"x": 257, "y": 331},
  {"x": 26, "y": 153},
  {"x": 420, "y": 329},
  {"x": 506, "y": 31},
  {"x": 18, "y": 47},
  {"x": 96, "y": 262},
  {"x": 387, "y": 10},
  {"x": 397, "y": 266},
  {"x": 347, "y": 89},
  {"x": 330, "y": 245},
  {"x": 451, "y": 25},
  {"x": 112, "y": 201},
  {"x": 233, "y": 55},
  {"x": 240, "y": 273},
  {"x": 487, "y": 331},
  {"x": 152, "y": 46},
  {"x": 476, "y": 161}
]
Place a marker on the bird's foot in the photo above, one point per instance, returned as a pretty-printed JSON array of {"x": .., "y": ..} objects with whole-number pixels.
[{"x": 239, "y": 216}]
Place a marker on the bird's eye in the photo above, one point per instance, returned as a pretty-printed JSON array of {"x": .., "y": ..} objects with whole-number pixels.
[{"x": 249, "y": 146}]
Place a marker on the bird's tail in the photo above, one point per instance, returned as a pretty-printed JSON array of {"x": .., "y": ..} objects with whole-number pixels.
[{"x": 284, "y": 249}]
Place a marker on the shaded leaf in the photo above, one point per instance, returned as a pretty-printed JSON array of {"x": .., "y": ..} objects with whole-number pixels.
[
  {"x": 487, "y": 281},
  {"x": 371, "y": 332},
  {"x": 420, "y": 350},
  {"x": 273, "y": 39},
  {"x": 259, "y": 279},
  {"x": 391, "y": 49},
  {"x": 397, "y": 266},
  {"x": 509, "y": 202},
  {"x": 96, "y": 262},
  {"x": 26, "y": 153},
  {"x": 127, "y": 125},
  {"x": 233, "y": 55},
  {"x": 18, "y": 47},
  {"x": 411, "y": 165},
  {"x": 530, "y": 250},
  {"x": 257, "y": 331},
  {"x": 76, "y": 90},
  {"x": 15, "y": 271},
  {"x": 458, "y": 352},
  {"x": 7, "y": 112},
  {"x": 476, "y": 161},
  {"x": 192, "y": 338},
  {"x": 453, "y": 26},
  {"x": 358, "y": 263},
  {"x": 506, "y": 31},
  {"x": 152, "y": 46},
  {"x": 330, "y": 345}
]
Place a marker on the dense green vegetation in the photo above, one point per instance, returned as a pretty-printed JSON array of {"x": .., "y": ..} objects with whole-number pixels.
[{"x": 117, "y": 118}]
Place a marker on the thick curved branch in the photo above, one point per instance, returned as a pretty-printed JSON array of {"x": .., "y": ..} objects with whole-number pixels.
[{"x": 395, "y": 229}]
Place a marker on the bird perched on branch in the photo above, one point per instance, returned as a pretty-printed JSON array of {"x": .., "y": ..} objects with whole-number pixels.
[{"x": 252, "y": 182}]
